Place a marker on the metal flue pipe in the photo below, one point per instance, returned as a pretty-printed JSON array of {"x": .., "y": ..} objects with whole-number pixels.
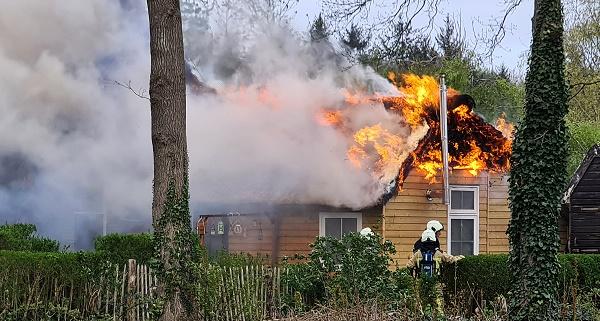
[{"x": 444, "y": 135}]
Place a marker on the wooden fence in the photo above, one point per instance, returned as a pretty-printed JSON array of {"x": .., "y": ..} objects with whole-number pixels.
[
  {"x": 250, "y": 293},
  {"x": 235, "y": 293}
]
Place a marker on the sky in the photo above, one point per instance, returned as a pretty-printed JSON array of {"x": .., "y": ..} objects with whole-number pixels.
[{"x": 475, "y": 16}]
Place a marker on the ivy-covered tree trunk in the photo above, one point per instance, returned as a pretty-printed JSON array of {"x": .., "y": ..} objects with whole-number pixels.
[
  {"x": 170, "y": 205},
  {"x": 538, "y": 173}
]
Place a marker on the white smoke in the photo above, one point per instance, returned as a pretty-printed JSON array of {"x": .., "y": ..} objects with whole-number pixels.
[
  {"x": 258, "y": 140},
  {"x": 74, "y": 145},
  {"x": 82, "y": 143}
]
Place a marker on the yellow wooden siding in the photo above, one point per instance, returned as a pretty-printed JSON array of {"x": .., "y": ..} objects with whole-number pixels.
[{"x": 407, "y": 214}]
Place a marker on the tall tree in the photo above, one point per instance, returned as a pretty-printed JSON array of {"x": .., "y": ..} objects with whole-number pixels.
[
  {"x": 318, "y": 30},
  {"x": 538, "y": 172},
  {"x": 170, "y": 204},
  {"x": 450, "y": 40},
  {"x": 582, "y": 49},
  {"x": 355, "y": 38}
]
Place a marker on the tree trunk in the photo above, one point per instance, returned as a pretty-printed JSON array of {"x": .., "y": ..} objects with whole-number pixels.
[
  {"x": 170, "y": 204},
  {"x": 538, "y": 172}
]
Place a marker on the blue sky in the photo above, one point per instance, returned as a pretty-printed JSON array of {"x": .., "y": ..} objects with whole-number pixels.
[{"x": 474, "y": 15}]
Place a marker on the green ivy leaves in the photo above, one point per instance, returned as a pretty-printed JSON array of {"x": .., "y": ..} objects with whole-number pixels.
[{"x": 538, "y": 173}]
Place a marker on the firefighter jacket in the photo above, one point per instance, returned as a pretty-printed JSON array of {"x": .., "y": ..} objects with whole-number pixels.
[{"x": 438, "y": 257}]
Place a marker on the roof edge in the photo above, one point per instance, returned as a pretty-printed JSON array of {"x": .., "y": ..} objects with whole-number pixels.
[{"x": 580, "y": 171}]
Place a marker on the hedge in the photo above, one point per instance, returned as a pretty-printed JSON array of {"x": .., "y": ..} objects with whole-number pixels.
[
  {"x": 119, "y": 248},
  {"x": 487, "y": 276},
  {"x": 70, "y": 266},
  {"x": 23, "y": 270},
  {"x": 21, "y": 237}
]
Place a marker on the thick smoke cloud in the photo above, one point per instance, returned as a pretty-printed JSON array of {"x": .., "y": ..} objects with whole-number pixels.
[{"x": 74, "y": 145}]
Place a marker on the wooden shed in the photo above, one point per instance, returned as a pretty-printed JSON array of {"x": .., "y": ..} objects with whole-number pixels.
[{"x": 582, "y": 205}]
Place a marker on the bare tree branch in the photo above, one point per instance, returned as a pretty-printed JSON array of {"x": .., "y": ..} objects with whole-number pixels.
[
  {"x": 140, "y": 92},
  {"x": 581, "y": 86},
  {"x": 494, "y": 31},
  {"x": 344, "y": 12},
  {"x": 501, "y": 33}
]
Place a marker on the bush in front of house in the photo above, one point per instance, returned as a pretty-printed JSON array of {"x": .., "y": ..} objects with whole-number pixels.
[
  {"x": 119, "y": 247},
  {"x": 486, "y": 277},
  {"x": 343, "y": 272},
  {"x": 22, "y": 237}
]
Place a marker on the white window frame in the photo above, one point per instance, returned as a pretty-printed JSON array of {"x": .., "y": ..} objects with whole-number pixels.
[
  {"x": 324, "y": 215},
  {"x": 464, "y": 214}
]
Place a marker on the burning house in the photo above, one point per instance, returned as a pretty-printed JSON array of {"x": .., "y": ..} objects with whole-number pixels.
[{"x": 409, "y": 162}]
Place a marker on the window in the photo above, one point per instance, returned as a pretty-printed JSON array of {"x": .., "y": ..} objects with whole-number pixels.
[
  {"x": 463, "y": 218},
  {"x": 338, "y": 224}
]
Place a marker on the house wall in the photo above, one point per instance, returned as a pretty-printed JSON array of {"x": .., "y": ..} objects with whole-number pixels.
[
  {"x": 585, "y": 211},
  {"x": 297, "y": 226},
  {"x": 406, "y": 215}
]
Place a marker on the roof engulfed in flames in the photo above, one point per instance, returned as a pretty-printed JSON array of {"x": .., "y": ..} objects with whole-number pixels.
[{"x": 474, "y": 144}]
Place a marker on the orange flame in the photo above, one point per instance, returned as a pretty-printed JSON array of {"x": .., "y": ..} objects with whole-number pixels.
[
  {"x": 473, "y": 144},
  {"x": 330, "y": 118},
  {"x": 505, "y": 127},
  {"x": 478, "y": 146}
]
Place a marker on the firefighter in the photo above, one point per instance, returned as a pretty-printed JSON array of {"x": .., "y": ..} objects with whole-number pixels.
[
  {"x": 429, "y": 246},
  {"x": 425, "y": 265},
  {"x": 435, "y": 226}
]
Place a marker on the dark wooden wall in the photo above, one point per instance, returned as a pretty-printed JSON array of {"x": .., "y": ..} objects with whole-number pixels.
[{"x": 584, "y": 211}]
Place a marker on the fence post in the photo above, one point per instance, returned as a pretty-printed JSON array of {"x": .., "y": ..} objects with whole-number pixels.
[{"x": 131, "y": 287}]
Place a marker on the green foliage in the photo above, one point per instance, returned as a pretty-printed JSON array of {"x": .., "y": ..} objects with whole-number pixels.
[
  {"x": 226, "y": 259},
  {"x": 49, "y": 312},
  {"x": 498, "y": 97},
  {"x": 538, "y": 173},
  {"x": 403, "y": 49},
  {"x": 449, "y": 40},
  {"x": 583, "y": 136},
  {"x": 21, "y": 237},
  {"x": 582, "y": 36},
  {"x": 483, "y": 274},
  {"x": 354, "y": 268},
  {"x": 28, "y": 277},
  {"x": 486, "y": 277},
  {"x": 77, "y": 266},
  {"x": 306, "y": 285},
  {"x": 119, "y": 248},
  {"x": 318, "y": 30},
  {"x": 355, "y": 38}
]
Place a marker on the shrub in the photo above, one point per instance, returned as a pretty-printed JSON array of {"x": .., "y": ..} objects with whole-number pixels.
[
  {"x": 346, "y": 271},
  {"x": 119, "y": 248},
  {"x": 485, "y": 277},
  {"x": 226, "y": 259},
  {"x": 306, "y": 287},
  {"x": 21, "y": 237},
  {"x": 32, "y": 278}
]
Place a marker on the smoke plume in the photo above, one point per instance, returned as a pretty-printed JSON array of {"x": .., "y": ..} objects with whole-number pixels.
[{"x": 74, "y": 145}]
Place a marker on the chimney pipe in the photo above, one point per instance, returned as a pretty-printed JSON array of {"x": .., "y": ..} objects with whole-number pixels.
[{"x": 444, "y": 135}]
